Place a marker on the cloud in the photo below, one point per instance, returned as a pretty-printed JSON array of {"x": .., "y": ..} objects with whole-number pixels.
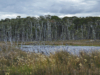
[
  {"x": 12, "y": 8},
  {"x": 10, "y": 15}
]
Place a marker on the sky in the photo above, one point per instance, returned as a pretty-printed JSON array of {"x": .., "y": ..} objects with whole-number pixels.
[{"x": 61, "y": 8}]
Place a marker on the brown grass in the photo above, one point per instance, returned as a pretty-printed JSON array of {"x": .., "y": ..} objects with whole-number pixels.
[
  {"x": 66, "y": 42},
  {"x": 16, "y": 62}
]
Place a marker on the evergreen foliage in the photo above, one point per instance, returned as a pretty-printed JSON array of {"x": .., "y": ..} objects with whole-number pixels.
[{"x": 49, "y": 27}]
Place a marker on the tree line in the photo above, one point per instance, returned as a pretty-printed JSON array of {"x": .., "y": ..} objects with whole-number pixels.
[{"x": 48, "y": 28}]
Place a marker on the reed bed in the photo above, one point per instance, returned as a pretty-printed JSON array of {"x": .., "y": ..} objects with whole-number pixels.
[
  {"x": 65, "y": 42},
  {"x": 13, "y": 61}
]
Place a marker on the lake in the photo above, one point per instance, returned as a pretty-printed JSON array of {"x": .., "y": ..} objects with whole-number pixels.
[{"x": 47, "y": 49}]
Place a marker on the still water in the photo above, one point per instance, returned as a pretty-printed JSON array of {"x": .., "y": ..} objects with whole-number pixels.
[{"x": 47, "y": 49}]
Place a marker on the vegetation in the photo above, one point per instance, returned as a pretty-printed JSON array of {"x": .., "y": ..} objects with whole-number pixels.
[
  {"x": 16, "y": 62},
  {"x": 49, "y": 28},
  {"x": 65, "y": 42}
]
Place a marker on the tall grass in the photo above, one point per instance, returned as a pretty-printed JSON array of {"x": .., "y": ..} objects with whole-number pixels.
[
  {"x": 65, "y": 42},
  {"x": 16, "y": 62}
]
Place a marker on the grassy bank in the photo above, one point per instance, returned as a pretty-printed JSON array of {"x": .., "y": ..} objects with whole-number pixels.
[
  {"x": 66, "y": 42},
  {"x": 62, "y": 42},
  {"x": 16, "y": 62}
]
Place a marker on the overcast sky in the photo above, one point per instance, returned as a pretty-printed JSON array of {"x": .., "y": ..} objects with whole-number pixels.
[{"x": 23, "y": 8}]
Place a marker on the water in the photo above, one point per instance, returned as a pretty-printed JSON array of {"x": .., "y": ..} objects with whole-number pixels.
[{"x": 47, "y": 49}]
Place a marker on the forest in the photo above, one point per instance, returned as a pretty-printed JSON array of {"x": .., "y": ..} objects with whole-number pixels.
[{"x": 49, "y": 28}]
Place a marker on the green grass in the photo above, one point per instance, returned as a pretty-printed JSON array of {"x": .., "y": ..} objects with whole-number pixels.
[{"x": 16, "y": 62}]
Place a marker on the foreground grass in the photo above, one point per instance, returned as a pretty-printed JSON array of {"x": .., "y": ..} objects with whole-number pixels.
[{"x": 16, "y": 62}]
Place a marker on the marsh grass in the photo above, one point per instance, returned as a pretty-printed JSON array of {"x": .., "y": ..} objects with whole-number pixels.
[
  {"x": 16, "y": 62},
  {"x": 65, "y": 42}
]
